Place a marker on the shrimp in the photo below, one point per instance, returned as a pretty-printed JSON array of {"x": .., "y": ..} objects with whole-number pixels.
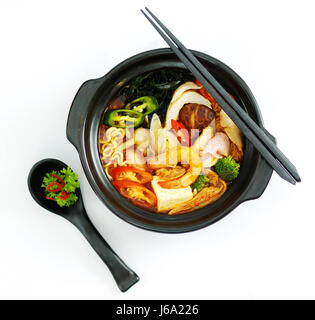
[{"x": 185, "y": 155}]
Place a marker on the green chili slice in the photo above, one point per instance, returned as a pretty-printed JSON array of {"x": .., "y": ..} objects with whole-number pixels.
[
  {"x": 123, "y": 118},
  {"x": 145, "y": 105}
]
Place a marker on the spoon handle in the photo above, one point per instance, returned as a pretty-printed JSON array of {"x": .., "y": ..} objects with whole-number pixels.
[{"x": 123, "y": 275}]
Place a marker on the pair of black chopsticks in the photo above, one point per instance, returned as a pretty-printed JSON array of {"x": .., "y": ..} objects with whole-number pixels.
[{"x": 267, "y": 148}]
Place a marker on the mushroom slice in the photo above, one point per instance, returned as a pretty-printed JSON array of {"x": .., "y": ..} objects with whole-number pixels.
[
  {"x": 175, "y": 106},
  {"x": 195, "y": 117}
]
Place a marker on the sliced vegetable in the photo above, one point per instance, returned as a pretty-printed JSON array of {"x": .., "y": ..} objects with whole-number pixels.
[
  {"x": 203, "y": 198},
  {"x": 181, "y": 132},
  {"x": 64, "y": 195},
  {"x": 136, "y": 193},
  {"x": 230, "y": 128},
  {"x": 123, "y": 118},
  {"x": 161, "y": 138},
  {"x": 58, "y": 178},
  {"x": 189, "y": 85},
  {"x": 145, "y": 105},
  {"x": 54, "y": 190},
  {"x": 131, "y": 174},
  {"x": 176, "y": 125},
  {"x": 227, "y": 168},
  {"x": 155, "y": 127}
]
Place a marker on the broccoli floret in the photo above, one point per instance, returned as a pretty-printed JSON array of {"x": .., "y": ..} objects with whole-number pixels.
[
  {"x": 201, "y": 182},
  {"x": 227, "y": 168}
]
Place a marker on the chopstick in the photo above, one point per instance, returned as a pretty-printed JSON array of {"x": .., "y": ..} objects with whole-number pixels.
[
  {"x": 250, "y": 129},
  {"x": 241, "y": 113}
]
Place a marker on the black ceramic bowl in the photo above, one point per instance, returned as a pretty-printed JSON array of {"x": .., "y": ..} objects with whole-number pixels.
[{"x": 86, "y": 115}]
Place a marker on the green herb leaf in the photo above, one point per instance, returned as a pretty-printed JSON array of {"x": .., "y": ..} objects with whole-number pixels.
[
  {"x": 70, "y": 179},
  {"x": 68, "y": 202},
  {"x": 71, "y": 184}
]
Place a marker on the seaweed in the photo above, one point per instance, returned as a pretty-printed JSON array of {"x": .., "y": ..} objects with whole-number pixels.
[{"x": 159, "y": 83}]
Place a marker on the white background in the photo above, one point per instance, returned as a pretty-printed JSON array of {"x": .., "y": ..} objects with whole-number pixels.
[{"x": 263, "y": 250}]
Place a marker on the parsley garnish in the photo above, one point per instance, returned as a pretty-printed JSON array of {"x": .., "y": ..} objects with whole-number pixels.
[{"x": 65, "y": 196}]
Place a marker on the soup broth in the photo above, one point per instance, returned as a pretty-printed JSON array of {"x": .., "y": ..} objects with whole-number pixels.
[{"x": 166, "y": 145}]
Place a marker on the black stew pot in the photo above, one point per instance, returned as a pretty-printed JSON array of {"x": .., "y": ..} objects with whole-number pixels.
[{"x": 86, "y": 115}]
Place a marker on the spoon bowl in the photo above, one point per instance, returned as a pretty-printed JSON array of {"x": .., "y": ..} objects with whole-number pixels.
[
  {"x": 77, "y": 215},
  {"x": 35, "y": 180}
]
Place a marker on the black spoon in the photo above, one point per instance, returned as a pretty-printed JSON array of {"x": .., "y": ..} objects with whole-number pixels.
[{"x": 77, "y": 215}]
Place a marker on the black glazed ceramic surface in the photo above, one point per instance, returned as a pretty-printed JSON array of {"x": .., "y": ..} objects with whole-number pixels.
[
  {"x": 82, "y": 131},
  {"x": 77, "y": 215}
]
